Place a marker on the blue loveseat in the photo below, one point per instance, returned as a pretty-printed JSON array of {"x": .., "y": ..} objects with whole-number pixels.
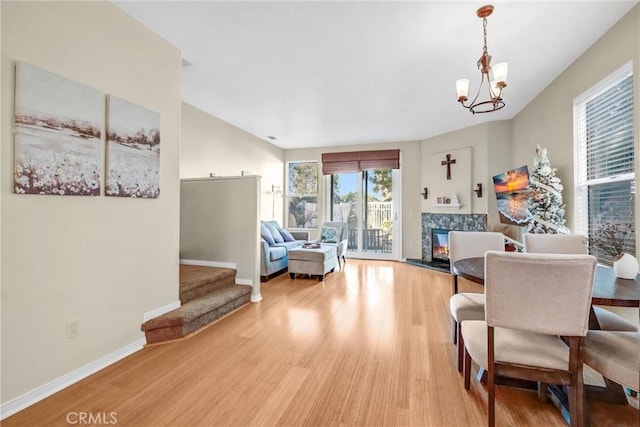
[{"x": 275, "y": 246}]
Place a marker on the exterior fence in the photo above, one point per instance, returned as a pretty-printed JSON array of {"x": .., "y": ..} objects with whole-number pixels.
[
  {"x": 377, "y": 235},
  {"x": 378, "y": 213}
]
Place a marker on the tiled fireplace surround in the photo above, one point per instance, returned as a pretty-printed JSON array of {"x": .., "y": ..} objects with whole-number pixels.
[{"x": 462, "y": 222}]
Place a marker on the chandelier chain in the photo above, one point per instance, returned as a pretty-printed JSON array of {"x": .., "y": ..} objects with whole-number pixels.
[{"x": 484, "y": 27}]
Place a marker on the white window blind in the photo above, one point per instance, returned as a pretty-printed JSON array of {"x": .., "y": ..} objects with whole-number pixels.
[{"x": 604, "y": 157}]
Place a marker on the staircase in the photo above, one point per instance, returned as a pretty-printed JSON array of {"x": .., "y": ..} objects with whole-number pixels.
[{"x": 206, "y": 294}]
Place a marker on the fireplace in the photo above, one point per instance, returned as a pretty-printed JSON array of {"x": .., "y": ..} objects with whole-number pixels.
[
  {"x": 435, "y": 237},
  {"x": 440, "y": 245},
  {"x": 462, "y": 222}
]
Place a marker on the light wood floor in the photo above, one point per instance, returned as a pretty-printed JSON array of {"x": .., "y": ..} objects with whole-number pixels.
[{"x": 369, "y": 346}]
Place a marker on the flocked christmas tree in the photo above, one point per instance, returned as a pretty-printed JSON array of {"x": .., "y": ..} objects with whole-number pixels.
[{"x": 545, "y": 197}]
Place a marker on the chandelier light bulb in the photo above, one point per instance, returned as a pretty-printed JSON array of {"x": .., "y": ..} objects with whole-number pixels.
[
  {"x": 462, "y": 87},
  {"x": 500, "y": 72}
]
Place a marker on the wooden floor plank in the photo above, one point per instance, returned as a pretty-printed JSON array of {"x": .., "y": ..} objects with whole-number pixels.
[{"x": 369, "y": 346}]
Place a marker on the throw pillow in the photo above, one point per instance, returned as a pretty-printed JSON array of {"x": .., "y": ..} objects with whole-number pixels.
[
  {"x": 330, "y": 234},
  {"x": 266, "y": 235},
  {"x": 286, "y": 235},
  {"x": 275, "y": 233}
]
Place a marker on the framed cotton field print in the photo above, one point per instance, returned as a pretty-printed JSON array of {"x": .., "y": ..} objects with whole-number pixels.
[
  {"x": 133, "y": 150},
  {"x": 57, "y": 125}
]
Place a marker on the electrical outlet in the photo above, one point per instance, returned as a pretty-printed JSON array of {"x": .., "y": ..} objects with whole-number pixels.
[{"x": 73, "y": 328}]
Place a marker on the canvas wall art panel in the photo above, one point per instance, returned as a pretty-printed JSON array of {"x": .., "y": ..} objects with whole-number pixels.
[
  {"x": 57, "y": 127},
  {"x": 133, "y": 150},
  {"x": 512, "y": 194}
]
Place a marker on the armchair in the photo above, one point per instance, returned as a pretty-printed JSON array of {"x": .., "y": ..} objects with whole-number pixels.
[{"x": 336, "y": 233}]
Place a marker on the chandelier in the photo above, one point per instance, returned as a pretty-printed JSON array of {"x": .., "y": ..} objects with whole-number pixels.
[{"x": 495, "y": 77}]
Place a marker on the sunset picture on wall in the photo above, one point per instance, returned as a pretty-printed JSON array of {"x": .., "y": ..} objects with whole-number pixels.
[{"x": 512, "y": 193}]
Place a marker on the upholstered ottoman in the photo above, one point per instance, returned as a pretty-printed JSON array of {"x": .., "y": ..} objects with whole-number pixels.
[{"x": 312, "y": 261}]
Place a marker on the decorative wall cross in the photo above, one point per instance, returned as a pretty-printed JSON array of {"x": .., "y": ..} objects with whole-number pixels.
[{"x": 448, "y": 164}]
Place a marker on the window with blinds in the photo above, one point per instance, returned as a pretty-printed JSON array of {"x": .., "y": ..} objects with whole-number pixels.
[
  {"x": 604, "y": 158},
  {"x": 302, "y": 195}
]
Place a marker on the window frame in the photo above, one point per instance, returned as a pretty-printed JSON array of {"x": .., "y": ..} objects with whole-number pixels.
[
  {"x": 288, "y": 194},
  {"x": 581, "y": 181}
]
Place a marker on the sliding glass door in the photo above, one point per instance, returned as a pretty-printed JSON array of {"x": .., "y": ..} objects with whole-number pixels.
[{"x": 365, "y": 202}]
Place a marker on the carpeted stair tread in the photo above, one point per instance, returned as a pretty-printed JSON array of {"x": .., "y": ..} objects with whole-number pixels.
[
  {"x": 192, "y": 310},
  {"x": 195, "y": 276},
  {"x": 172, "y": 333},
  {"x": 206, "y": 295},
  {"x": 196, "y": 281}
]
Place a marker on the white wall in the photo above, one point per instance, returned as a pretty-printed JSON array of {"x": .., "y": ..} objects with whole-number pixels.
[
  {"x": 490, "y": 155},
  {"x": 434, "y": 177},
  {"x": 213, "y": 145},
  {"x": 233, "y": 202},
  {"x": 498, "y": 160},
  {"x": 411, "y": 188},
  {"x": 548, "y": 119},
  {"x": 103, "y": 260}
]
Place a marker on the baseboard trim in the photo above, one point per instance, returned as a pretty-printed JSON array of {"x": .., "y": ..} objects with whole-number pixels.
[
  {"x": 34, "y": 396},
  {"x": 160, "y": 311},
  {"x": 208, "y": 263},
  {"x": 244, "y": 281},
  {"x": 256, "y": 298}
]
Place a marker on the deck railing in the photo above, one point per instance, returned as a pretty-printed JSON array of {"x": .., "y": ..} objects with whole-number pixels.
[{"x": 377, "y": 235}]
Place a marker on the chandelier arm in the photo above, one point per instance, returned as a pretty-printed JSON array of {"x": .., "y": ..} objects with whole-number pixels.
[
  {"x": 492, "y": 95},
  {"x": 478, "y": 93}
]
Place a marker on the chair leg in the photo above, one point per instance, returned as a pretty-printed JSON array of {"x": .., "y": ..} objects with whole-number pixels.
[
  {"x": 492, "y": 398},
  {"x": 542, "y": 392},
  {"x": 460, "y": 348},
  {"x": 575, "y": 390},
  {"x": 454, "y": 335},
  {"x": 585, "y": 409},
  {"x": 491, "y": 380},
  {"x": 467, "y": 369},
  {"x": 576, "y": 406}
]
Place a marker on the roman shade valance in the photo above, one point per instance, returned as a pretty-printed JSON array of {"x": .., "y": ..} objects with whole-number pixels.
[{"x": 357, "y": 161}]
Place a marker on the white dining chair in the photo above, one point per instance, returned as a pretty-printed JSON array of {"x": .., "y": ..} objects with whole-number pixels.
[
  {"x": 520, "y": 337},
  {"x": 468, "y": 306},
  {"x": 575, "y": 244}
]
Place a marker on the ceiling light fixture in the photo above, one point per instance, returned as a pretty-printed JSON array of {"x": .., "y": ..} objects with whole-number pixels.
[{"x": 496, "y": 76}]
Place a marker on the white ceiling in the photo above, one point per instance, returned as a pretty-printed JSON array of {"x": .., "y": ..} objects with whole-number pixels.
[{"x": 332, "y": 73}]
